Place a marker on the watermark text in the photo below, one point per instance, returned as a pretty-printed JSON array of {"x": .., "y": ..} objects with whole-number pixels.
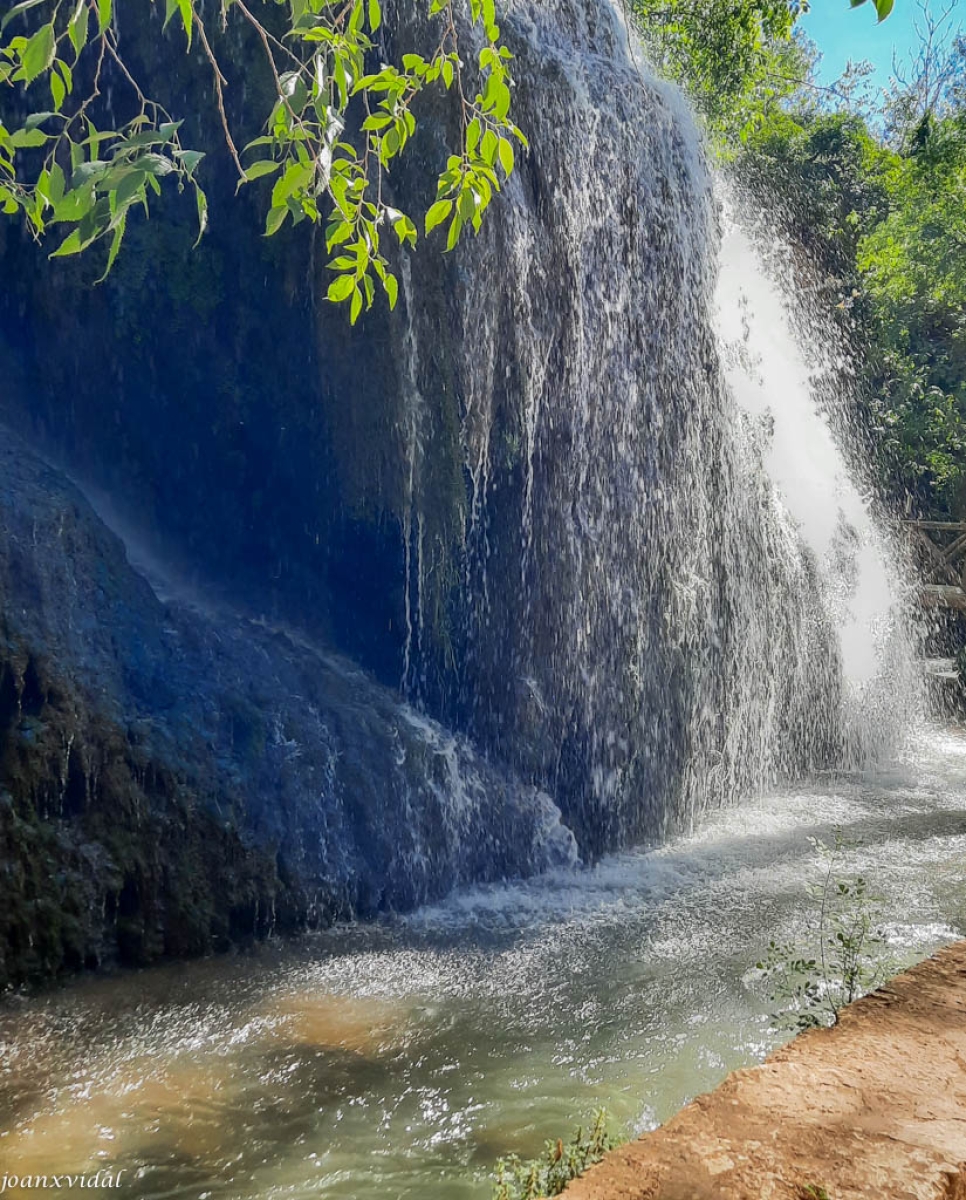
[{"x": 102, "y": 1179}]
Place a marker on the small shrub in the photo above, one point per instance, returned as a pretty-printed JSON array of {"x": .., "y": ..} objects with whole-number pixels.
[
  {"x": 848, "y": 960},
  {"x": 560, "y": 1163}
]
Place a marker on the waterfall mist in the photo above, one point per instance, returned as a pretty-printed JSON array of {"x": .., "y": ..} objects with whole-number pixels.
[{"x": 790, "y": 370}]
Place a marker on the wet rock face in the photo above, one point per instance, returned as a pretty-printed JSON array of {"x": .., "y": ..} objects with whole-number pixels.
[
  {"x": 525, "y": 497},
  {"x": 174, "y": 778}
]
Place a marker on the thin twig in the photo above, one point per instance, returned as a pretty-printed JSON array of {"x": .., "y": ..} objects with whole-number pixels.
[{"x": 220, "y": 81}]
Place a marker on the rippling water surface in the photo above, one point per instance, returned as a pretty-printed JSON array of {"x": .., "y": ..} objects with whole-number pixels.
[{"x": 402, "y": 1059}]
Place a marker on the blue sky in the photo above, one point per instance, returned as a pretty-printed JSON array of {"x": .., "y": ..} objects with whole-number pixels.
[{"x": 844, "y": 33}]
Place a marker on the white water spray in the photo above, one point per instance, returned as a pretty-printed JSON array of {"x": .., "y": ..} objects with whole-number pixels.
[
  {"x": 666, "y": 607},
  {"x": 774, "y": 382}
]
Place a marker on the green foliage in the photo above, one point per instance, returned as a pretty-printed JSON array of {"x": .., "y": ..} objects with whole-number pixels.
[
  {"x": 913, "y": 273},
  {"x": 824, "y": 171},
  {"x": 882, "y": 7},
  {"x": 734, "y": 57},
  {"x": 881, "y": 212},
  {"x": 335, "y": 128},
  {"x": 846, "y": 958},
  {"x": 559, "y": 1164}
]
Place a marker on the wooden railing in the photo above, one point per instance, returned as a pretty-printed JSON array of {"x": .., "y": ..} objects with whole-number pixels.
[{"x": 943, "y": 544}]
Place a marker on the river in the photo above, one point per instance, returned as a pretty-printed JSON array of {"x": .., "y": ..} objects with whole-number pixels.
[{"x": 402, "y": 1058}]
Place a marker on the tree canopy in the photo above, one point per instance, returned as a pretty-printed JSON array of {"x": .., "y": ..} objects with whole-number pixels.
[{"x": 878, "y": 199}]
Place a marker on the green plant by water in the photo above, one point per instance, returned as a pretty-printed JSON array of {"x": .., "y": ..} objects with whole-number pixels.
[
  {"x": 845, "y": 956},
  {"x": 559, "y": 1164}
]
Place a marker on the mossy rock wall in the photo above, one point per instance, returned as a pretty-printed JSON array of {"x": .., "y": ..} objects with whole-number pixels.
[{"x": 175, "y": 777}]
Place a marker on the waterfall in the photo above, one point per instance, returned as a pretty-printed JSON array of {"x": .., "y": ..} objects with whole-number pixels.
[
  {"x": 656, "y": 615},
  {"x": 576, "y": 499},
  {"x": 775, "y": 375}
]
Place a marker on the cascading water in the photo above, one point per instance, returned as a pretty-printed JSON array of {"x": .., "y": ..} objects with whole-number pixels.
[
  {"x": 650, "y": 627},
  {"x": 545, "y": 503},
  {"x": 861, "y": 573},
  {"x": 669, "y": 593}
]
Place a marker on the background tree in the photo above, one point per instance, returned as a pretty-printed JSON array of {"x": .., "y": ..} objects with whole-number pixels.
[{"x": 877, "y": 199}]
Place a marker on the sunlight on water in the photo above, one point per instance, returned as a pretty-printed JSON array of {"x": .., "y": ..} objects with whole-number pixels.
[{"x": 403, "y": 1058}]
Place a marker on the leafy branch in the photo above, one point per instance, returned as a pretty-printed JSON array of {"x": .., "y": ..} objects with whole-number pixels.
[
  {"x": 335, "y": 129},
  {"x": 560, "y": 1163},
  {"x": 850, "y": 960}
]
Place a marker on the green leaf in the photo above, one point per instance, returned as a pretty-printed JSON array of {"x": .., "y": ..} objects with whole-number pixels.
[
  {"x": 77, "y": 28},
  {"x": 356, "y": 307},
  {"x": 187, "y": 18},
  {"x": 883, "y": 8},
  {"x": 86, "y": 171},
  {"x": 438, "y": 214},
  {"x": 488, "y": 147},
  {"x": 391, "y": 286},
  {"x": 154, "y": 164},
  {"x": 506, "y": 156},
  {"x": 201, "y": 204},
  {"x": 23, "y": 139},
  {"x": 37, "y": 118},
  {"x": 258, "y": 169},
  {"x": 57, "y": 90},
  {"x": 103, "y": 15},
  {"x": 75, "y": 205},
  {"x": 339, "y": 232},
  {"x": 128, "y": 188},
  {"x": 17, "y": 10},
  {"x": 115, "y": 246},
  {"x": 375, "y": 15},
  {"x": 71, "y": 244},
  {"x": 341, "y": 288},
  {"x": 38, "y": 54},
  {"x": 455, "y": 229},
  {"x": 297, "y": 176},
  {"x": 274, "y": 220},
  {"x": 264, "y": 140},
  {"x": 189, "y": 159},
  {"x": 466, "y": 205},
  {"x": 56, "y": 185}
]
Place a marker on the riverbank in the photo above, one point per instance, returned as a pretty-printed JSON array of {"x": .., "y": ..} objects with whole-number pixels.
[{"x": 874, "y": 1107}]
